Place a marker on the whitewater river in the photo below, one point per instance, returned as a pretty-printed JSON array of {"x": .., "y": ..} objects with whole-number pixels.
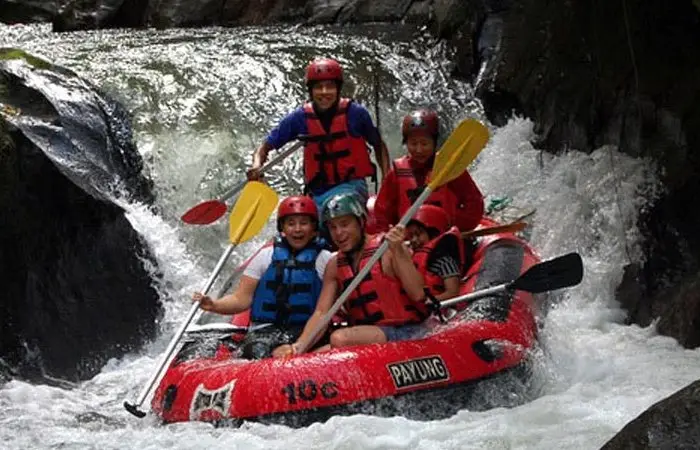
[{"x": 202, "y": 99}]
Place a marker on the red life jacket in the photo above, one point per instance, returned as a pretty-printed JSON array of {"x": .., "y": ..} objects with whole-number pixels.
[
  {"x": 378, "y": 299},
  {"x": 409, "y": 190},
  {"x": 424, "y": 255},
  {"x": 337, "y": 156}
]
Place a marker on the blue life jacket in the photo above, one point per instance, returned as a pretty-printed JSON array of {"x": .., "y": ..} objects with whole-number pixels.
[{"x": 288, "y": 290}]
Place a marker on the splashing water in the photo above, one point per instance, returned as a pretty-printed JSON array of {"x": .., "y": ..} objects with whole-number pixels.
[{"x": 203, "y": 99}]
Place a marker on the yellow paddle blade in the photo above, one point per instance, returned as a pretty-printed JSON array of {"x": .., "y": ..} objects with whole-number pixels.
[
  {"x": 251, "y": 212},
  {"x": 458, "y": 151}
]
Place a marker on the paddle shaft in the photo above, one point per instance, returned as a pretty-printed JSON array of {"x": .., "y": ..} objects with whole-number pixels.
[
  {"x": 302, "y": 346},
  {"x": 475, "y": 295},
  {"x": 279, "y": 157},
  {"x": 165, "y": 360},
  {"x": 557, "y": 273}
]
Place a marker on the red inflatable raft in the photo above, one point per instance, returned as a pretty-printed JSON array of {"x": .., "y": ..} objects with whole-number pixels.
[{"x": 487, "y": 340}]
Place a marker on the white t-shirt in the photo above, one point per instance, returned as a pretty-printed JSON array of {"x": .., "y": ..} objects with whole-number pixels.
[{"x": 262, "y": 261}]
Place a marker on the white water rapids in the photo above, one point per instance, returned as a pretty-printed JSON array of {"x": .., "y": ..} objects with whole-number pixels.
[{"x": 202, "y": 99}]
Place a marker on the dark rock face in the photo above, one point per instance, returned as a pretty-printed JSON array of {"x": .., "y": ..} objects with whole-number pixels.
[
  {"x": 669, "y": 424},
  {"x": 89, "y": 14},
  {"x": 591, "y": 73},
  {"x": 75, "y": 289},
  {"x": 23, "y": 11}
]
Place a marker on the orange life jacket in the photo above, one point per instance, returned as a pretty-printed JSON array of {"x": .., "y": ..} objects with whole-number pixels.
[
  {"x": 409, "y": 190},
  {"x": 378, "y": 299},
  {"x": 424, "y": 255},
  {"x": 333, "y": 157}
]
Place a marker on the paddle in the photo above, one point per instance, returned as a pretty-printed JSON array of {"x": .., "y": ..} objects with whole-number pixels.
[
  {"x": 460, "y": 149},
  {"x": 211, "y": 210},
  {"x": 508, "y": 228},
  {"x": 556, "y": 273},
  {"x": 249, "y": 215}
]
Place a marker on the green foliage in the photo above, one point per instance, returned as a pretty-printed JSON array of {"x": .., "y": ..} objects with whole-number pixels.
[{"x": 14, "y": 53}]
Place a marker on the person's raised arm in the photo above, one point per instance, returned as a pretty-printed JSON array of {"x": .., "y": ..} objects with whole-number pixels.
[
  {"x": 259, "y": 158},
  {"x": 289, "y": 128},
  {"x": 400, "y": 259},
  {"x": 234, "y": 303}
]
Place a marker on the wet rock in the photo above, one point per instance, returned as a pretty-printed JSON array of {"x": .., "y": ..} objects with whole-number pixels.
[
  {"x": 327, "y": 11},
  {"x": 239, "y": 12},
  {"x": 26, "y": 11},
  {"x": 591, "y": 73},
  {"x": 182, "y": 13},
  {"x": 419, "y": 12},
  {"x": 669, "y": 424},
  {"x": 91, "y": 14},
  {"x": 76, "y": 291},
  {"x": 374, "y": 11}
]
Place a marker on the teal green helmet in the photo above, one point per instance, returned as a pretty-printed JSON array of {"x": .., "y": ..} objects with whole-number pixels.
[{"x": 344, "y": 204}]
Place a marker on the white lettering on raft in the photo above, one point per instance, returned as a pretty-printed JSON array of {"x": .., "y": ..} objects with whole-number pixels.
[{"x": 431, "y": 369}]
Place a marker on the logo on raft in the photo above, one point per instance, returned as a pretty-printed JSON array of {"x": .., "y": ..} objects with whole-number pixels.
[
  {"x": 211, "y": 404},
  {"x": 415, "y": 372}
]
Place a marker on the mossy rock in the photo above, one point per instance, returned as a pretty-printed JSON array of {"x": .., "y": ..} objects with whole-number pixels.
[{"x": 14, "y": 53}]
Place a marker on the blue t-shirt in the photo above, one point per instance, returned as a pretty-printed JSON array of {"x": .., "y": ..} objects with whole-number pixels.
[{"x": 294, "y": 125}]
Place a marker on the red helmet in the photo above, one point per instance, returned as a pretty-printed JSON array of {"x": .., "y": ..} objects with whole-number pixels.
[
  {"x": 296, "y": 205},
  {"x": 323, "y": 69},
  {"x": 431, "y": 216},
  {"x": 422, "y": 120}
]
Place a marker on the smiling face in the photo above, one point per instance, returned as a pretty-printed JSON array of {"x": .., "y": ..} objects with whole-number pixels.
[
  {"x": 417, "y": 234},
  {"x": 299, "y": 230},
  {"x": 324, "y": 94},
  {"x": 420, "y": 146},
  {"x": 345, "y": 231}
]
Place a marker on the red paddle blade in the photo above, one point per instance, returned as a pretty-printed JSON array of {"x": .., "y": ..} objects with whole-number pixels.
[{"x": 205, "y": 213}]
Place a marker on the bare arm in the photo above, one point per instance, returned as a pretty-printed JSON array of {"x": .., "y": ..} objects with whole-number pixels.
[
  {"x": 234, "y": 303},
  {"x": 324, "y": 304},
  {"x": 259, "y": 158},
  {"x": 451, "y": 289},
  {"x": 399, "y": 258}
]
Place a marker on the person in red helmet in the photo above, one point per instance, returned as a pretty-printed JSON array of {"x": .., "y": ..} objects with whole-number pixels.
[
  {"x": 336, "y": 132},
  {"x": 438, "y": 252},
  {"x": 281, "y": 284},
  {"x": 389, "y": 304},
  {"x": 460, "y": 198}
]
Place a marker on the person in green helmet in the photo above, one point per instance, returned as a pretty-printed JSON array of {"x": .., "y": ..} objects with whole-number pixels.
[{"x": 389, "y": 304}]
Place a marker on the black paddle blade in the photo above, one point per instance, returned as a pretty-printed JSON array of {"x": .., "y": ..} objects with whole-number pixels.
[
  {"x": 557, "y": 273},
  {"x": 134, "y": 410}
]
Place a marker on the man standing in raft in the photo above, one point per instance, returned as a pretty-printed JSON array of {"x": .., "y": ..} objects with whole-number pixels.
[
  {"x": 281, "y": 284},
  {"x": 460, "y": 198},
  {"x": 336, "y": 132},
  {"x": 389, "y": 305}
]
